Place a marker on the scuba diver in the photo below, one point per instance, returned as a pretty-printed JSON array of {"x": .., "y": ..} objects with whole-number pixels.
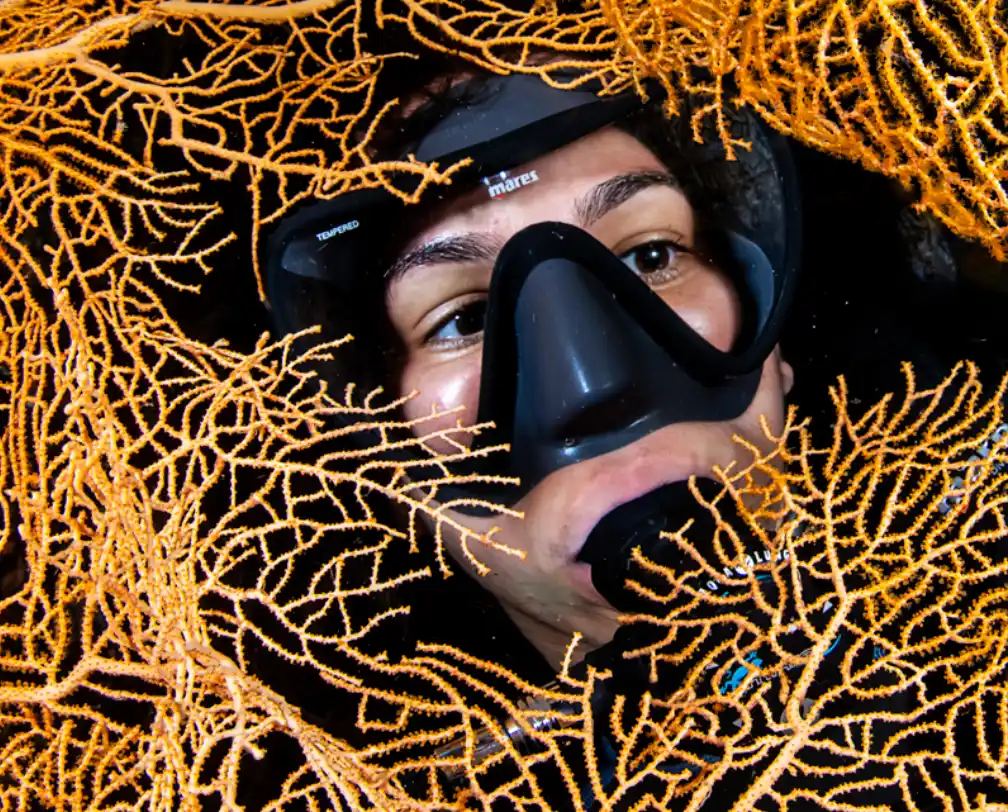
[
  {"x": 609, "y": 381},
  {"x": 609, "y": 294}
]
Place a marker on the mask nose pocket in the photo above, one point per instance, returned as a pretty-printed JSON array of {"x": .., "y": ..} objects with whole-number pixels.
[
  {"x": 579, "y": 358},
  {"x": 623, "y": 408}
]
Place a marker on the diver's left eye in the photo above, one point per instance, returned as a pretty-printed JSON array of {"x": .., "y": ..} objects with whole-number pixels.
[{"x": 656, "y": 258}]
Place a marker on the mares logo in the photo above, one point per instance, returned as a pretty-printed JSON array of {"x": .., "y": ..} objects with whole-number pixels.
[
  {"x": 502, "y": 183},
  {"x": 322, "y": 236}
]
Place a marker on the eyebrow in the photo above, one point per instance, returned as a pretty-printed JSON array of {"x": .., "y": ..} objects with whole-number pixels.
[
  {"x": 461, "y": 248},
  {"x": 588, "y": 209},
  {"x": 613, "y": 193}
]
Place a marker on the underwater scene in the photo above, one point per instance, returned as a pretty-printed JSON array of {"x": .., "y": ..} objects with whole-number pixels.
[{"x": 503, "y": 405}]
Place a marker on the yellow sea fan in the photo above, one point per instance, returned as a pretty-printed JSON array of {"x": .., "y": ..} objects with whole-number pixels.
[
  {"x": 144, "y": 476},
  {"x": 892, "y": 675},
  {"x": 910, "y": 89}
]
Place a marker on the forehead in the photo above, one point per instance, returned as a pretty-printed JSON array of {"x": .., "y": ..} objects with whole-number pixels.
[{"x": 546, "y": 188}]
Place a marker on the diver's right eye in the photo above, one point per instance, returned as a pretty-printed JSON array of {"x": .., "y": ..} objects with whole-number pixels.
[{"x": 463, "y": 323}]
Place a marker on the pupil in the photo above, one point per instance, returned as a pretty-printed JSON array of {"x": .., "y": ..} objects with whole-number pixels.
[
  {"x": 652, "y": 258},
  {"x": 470, "y": 318}
]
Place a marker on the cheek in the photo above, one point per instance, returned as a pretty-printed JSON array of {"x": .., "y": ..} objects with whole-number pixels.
[
  {"x": 443, "y": 387},
  {"x": 712, "y": 309}
]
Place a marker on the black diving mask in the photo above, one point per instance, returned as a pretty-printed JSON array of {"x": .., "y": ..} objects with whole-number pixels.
[{"x": 580, "y": 355}]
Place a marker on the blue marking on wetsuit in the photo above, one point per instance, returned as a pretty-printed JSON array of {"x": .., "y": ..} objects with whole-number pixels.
[{"x": 735, "y": 679}]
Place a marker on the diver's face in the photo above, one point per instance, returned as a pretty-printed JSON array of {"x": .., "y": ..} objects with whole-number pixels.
[{"x": 613, "y": 187}]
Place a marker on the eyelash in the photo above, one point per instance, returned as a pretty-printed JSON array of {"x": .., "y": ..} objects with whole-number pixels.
[
  {"x": 659, "y": 277},
  {"x": 461, "y": 341}
]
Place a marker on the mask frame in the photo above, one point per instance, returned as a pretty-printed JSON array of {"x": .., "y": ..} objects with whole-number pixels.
[{"x": 509, "y": 121}]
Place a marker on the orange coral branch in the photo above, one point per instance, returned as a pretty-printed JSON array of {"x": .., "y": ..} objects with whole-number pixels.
[
  {"x": 158, "y": 488},
  {"x": 248, "y": 13},
  {"x": 100, "y": 34}
]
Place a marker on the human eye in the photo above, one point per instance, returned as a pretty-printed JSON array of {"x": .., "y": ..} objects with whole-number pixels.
[
  {"x": 655, "y": 261},
  {"x": 461, "y": 325}
]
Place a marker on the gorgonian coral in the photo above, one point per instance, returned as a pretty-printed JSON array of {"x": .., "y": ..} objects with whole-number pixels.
[{"x": 144, "y": 476}]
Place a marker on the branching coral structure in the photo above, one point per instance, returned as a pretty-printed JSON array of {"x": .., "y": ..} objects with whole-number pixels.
[
  {"x": 911, "y": 89},
  {"x": 129, "y": 638},
  {"x": 169, "y": 509},
  {"x": 861, "y": 659}
]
